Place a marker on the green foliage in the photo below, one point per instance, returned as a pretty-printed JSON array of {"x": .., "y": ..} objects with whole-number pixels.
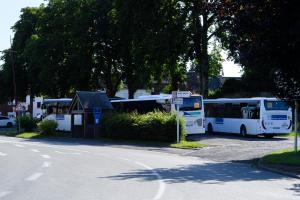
[
  {"x": 284, "y": 157},
  {"x": 263, "y": 38},
  {"x": 215, "y": 61},
  {"x": 187, "y": 145},
  {"x": 95, "y": 44},
  {"x": 48, "y": 127},
  {"x": 28, "y": 135},
  {"x": 155, "y": 126},
  {"x": 27, "y": 123}
]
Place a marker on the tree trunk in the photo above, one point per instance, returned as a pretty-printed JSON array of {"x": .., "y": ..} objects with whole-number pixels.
[
  {"x": 131, "y": 90},
  {"x": 204, "y": 62},
  {"x": 201, "y": 45}
]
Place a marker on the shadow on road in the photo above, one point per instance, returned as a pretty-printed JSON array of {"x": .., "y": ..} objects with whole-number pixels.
[
  {"x": 209, "y": 173},
  {"x": 296, "y": 189},
  {"x": 234, "y": 137}
]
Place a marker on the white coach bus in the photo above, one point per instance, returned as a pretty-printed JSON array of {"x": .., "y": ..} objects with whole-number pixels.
[
  {"x": 58, "y": 110},
  {"x": 248, "y": 116},
  {"x": 192, "y": 109}
]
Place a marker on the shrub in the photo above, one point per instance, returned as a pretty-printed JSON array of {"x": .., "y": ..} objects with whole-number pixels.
[
  {"x": 48, "y": 127},
  {"x": 156, "y": 126},
  {"x": 28, "y": 123}
]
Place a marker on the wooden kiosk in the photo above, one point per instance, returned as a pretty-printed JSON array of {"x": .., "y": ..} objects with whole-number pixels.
[{"x": 86, "y": 110}]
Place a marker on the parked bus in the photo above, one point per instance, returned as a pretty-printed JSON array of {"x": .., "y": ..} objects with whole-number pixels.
[
  {"x": 248, "y": 116},
  {"x": 58, "y": 110},
  {"x": 192, "y": 109}
]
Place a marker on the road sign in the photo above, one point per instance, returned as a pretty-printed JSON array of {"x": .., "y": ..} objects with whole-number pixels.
[
  {"x": 19, "y": 108},
  {"x": 97, "y": 114},
  {"x": 183, "y": 94},
  {"x": 178, "y": 101}
]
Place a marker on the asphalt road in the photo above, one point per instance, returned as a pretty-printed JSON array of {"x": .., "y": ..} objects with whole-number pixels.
[{"x": 48, "y": 169}]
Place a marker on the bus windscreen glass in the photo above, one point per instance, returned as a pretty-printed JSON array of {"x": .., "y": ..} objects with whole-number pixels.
[
  {"x": 191, "y": 103},
  {"x": 276, "y": 105}
]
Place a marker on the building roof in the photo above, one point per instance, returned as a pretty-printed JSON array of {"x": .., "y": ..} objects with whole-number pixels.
[
  {"x": 91, "y": 100},
  {"x": 239, "y": 100}
]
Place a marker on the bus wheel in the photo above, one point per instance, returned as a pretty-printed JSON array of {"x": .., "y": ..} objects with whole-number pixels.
[
  {"x": 9, "y": 125},
  {"x": 210, "y": 129},
  {"x": 269, "y": 135},
  {"x": 243, "y": 131}
]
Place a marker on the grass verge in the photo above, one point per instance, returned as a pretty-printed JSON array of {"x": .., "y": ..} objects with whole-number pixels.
[
  {"x": 29, "y": 135},
  {"x": 187, "y": 145},
  {"x": 292, "y": 134},
  {"x": 284, "y": 157},
  {"x": 34, "y": 134}
]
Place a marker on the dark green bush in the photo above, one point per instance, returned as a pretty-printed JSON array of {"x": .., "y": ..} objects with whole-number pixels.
[
  {"x": 155, "y": 126},
  {"x": 27, "y": 123},
  {"x": 48, "y": 127}
]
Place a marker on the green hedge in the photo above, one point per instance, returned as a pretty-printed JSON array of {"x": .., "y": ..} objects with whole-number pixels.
[
  {"x": 27, "y": 123},
  {"x": 155, "y": 126},
  {"x": 48, "y": 127}
]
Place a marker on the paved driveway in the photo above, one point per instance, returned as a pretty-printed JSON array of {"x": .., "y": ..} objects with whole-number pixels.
[{"x": 236, "y": 148}]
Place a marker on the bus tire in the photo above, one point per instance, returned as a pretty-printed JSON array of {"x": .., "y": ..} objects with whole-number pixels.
[
  {"x": 210, "y": 129},
  {"x": 243, "y": 131},
  {"x": 268, "y": 135},
  {"x": 9, "y": 125}
]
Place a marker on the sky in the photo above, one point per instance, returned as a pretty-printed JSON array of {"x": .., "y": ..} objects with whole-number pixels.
[{"x": 10, "y": 12}]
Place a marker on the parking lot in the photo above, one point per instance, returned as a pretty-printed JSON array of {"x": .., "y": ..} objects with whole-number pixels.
[{"x": 223, "y": 147}]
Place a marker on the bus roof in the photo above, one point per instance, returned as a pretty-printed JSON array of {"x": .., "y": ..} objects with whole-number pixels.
[
  {"x": 62, "y": 100},
  {"x": 140, "y": 99},
  {"x": 148, "y": 98},
  {"x": 239, "y": 100}
]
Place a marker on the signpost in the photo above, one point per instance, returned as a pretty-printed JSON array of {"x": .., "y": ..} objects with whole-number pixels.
[
  {"x": 97, "y": 112},
  {"x": 177, "y": 98},
  {"x": 295, "y": 128},
  {"x": 183, "y": 94},
  {"x": 19, "y": 109}
]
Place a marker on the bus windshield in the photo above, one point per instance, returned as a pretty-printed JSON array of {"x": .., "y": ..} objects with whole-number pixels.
[
  {"x": 275, "y": 105},
  {"x": 191, "y": 103}
]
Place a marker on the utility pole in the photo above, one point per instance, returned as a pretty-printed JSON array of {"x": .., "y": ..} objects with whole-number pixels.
[
  {"x": 14, "y": 84},
  {"x": 296, "y": 126}
]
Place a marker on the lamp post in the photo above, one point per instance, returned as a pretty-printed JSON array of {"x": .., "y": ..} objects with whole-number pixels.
[{"x": 295, "y": 124}]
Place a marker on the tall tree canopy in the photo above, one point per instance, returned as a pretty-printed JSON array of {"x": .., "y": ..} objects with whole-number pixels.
[
  {"x": 97, "y": 44},
  {"x": 264, "y": 36}
]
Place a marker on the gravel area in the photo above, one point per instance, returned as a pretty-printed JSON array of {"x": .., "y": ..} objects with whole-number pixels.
[{"x": 236, "y": 148}]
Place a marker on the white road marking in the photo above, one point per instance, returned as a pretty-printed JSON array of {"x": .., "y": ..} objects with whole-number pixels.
[
  {"x": 46, "y": 164},
  {"x": 3, "y": 154},
  {"x": 18, "y": 145},
  {"x": 67, "y": 153},
  {"x": 34, "y": 176},
  {"x": 121, "y": 158},
  {"x": 46, "y": 156},
  {"x": 35, "y": 150},
  {"x": 41, "y": 145},
  {"x": 162, "y": 185},
  {"x": 5, "y": 193}
]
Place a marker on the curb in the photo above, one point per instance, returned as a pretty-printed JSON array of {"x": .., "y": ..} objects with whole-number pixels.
[{"x": 262, "y": 166}]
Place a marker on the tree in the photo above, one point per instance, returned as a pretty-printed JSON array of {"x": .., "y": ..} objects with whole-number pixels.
[
  {"x": 202, "y": 28},
  {"x": 264, "y": 36},
  {"x": 24, "y": 29}
]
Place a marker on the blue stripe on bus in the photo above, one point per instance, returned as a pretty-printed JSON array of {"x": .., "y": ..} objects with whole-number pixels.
[
  {"x": 279, "y": 117},
  {"x": 186, "y": 114},
  {"x": 219, "y": 121}
]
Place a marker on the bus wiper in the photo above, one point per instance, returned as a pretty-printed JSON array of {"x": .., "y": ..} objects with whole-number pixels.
[{"x": 186, "y": 108}]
